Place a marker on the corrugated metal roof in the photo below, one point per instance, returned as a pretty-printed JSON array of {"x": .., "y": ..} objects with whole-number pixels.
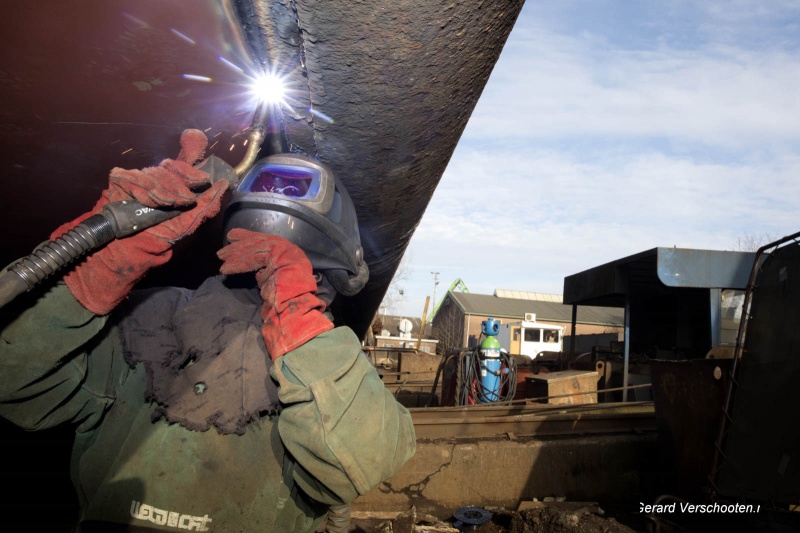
[
  {"x": 527, "y": 295},
  {"x": 497, "y": 307}
]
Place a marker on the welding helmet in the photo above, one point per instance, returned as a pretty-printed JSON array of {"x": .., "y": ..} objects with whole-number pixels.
[{"x": 299, "y": 199}]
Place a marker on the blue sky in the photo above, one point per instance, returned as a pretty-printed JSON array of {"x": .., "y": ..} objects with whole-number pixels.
[{"x": 611, "y": 127}]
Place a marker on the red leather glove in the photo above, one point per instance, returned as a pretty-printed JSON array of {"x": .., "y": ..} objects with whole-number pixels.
[
  {"x": 291, "y": 311},
  {"x": 104, "y": 278}
]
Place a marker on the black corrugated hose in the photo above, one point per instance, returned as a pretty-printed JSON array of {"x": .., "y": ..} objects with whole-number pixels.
[{"x": 470, "y": 389}]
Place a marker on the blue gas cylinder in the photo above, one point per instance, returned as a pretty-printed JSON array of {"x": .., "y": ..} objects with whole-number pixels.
[{"x": 490, "y": 362}]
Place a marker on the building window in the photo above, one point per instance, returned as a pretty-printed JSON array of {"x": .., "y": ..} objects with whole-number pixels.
[
  {"x": 533, "y": 335},
  {"x": 551, "y": 335}
]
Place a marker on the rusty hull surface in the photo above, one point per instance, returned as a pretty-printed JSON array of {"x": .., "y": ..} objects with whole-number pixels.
[{"x": 86, "y": 85}]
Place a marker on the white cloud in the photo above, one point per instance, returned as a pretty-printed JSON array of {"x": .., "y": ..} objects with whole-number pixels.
[
  {"x": 582, "y": 151},
  {"x": 572, "y": 85}
]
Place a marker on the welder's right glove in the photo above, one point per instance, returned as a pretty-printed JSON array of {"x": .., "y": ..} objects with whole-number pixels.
[
  {"x": 104, "y": 278},
  {"x": 291, "y": 311}
]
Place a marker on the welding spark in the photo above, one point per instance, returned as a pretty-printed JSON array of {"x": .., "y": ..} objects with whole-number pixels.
[
  {"x": 135, "y": 20},
  {"x": 182, "y": 36},
  {"x": 235, "y": 67},
  {"x": 196, "y": 77},
  {"x": 321, "y": 115}
]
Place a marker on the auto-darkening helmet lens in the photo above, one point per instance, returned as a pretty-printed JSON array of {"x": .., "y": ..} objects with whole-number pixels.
[
  {"x": 291, "y": 181},
  {"x": 299, "y": 198}
]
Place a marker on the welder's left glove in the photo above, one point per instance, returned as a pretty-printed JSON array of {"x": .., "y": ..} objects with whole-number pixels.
[{"x": 292, "y": 313}]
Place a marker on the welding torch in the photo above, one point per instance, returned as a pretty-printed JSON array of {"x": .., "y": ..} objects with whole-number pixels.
[
  {"x": 117, "y": 220},
  {"x": 121, "y": 219}
]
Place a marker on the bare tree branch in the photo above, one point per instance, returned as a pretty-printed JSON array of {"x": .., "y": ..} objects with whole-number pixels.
[
  {"x": 750, "y": 242},
  {"x": 392, "y": 303}
]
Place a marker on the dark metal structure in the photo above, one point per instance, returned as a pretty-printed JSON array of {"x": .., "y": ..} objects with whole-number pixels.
[
  {"x": 379, "y": 91},
  {"x": 672, "y": 298},
  {"x": 723, "y": 422},
  {"x": 756, "y": 451}
]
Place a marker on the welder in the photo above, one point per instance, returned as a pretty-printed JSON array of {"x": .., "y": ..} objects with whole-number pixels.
[{"x": 236, "y": 406}]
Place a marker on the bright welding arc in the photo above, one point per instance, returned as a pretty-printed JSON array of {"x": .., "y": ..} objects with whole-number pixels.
[{"x": 269, "y": 89}]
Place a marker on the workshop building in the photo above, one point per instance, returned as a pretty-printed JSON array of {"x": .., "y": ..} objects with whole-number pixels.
[{"x": 457, "y": 322}]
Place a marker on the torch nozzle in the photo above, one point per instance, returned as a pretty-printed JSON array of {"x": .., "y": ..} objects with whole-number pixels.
[{"x": 266, "y": 126}]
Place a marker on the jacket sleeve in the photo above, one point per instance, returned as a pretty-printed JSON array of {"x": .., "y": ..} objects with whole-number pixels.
[
  {"x": 47, "y": 342},
  {"x": 345, "y": 431}
]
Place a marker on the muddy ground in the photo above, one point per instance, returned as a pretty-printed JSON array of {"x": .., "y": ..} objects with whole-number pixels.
[
  {"x": 573, "y": 517},
  {"x": 547, "y": 519}
]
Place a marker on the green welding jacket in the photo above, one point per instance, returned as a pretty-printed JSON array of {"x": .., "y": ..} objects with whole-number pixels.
[{"x": 338, "y": 432}]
